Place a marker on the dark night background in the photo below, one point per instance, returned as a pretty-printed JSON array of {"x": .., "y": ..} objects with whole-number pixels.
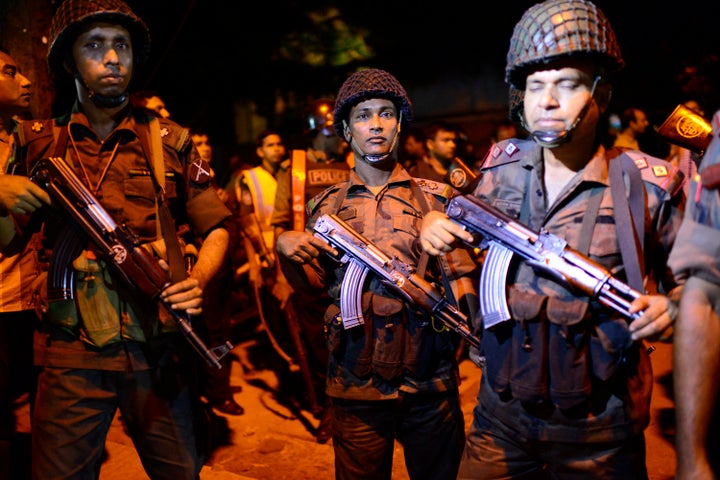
[
  {"x": 211, "y": 56},
  {"x": 207, "y": 53}
]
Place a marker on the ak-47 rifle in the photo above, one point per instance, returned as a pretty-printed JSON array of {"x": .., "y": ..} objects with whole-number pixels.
[
  {"x": 118, "y": 246},
  {"x": 548, "y": 253},
  {"x": 363, "y": 256}
]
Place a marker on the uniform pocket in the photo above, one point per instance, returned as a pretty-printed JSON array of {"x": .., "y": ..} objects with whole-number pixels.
[
  {"x": 529, "y": 353},
  {"x": 569, "y": 365},
  {"x": 333, "y": 329},
  {"x": 608, "y": 346},
  {"x": 390, "y": 329},
  {"x": 98, "y": 304}
]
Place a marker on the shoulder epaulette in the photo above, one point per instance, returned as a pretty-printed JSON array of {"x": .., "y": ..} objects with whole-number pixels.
[
  {"x": 174, "y": 135},
  {"x": 506, "y": 151},
  {"x": 31, "y": 130},
  {"x": 439, "y": 189},
  {"x": 313, "y": 203},
  {"x": 657, "y": 171}
]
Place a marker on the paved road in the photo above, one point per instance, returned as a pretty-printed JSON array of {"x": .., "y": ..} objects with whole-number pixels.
[{"x": 274, "y": 438}]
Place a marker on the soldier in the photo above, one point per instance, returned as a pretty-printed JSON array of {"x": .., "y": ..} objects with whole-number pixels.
[
  {"x": 106, "y": 346},
  {"x": 696, "y": 350},
  {"x": 20, "y": 273},
  {"x": 566, "y": 382},
  {"x": 396, "y": 375}
]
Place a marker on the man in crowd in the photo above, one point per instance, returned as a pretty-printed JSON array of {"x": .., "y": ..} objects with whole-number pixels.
[{"x": 441, "y": 146}]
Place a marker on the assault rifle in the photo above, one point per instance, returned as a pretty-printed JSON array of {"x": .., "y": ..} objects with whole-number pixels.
[
  {"x": 364, "y": 256},
  {"x": 548, "y": 253},
  {"x": 118, "y": 246}
]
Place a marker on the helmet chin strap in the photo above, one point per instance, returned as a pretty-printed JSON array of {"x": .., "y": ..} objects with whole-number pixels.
[
  {"x": 552, "y": 139},
  {"x": 104, "y": 101},
  {"x": 375, "y": 158}
]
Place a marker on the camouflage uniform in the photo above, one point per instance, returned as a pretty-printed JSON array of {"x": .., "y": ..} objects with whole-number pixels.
[
  {"x": 399, "y": 370},
  {"x": 695, "y": 344},
  {"x": 565, "y": 390},
  {"x": 542, "y": 308},
  {"x": 109, "y": 348}
]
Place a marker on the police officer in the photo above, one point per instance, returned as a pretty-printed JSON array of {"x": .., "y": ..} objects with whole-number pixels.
[
  {"x": 696, "y": 350},
  {"x": 565, "y": 389},
  {"x": 396, "y": 376},
  {"x": 105, "y": 346},
  {"x": 305, "y": 174}
]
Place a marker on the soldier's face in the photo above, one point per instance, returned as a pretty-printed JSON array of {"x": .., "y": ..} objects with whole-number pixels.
[
  {"x": 373, "y": 125},
  {"x": 14, "y": 87},
  {"x": 202, "y": 143},
  {"x": 103, "y": 58}
]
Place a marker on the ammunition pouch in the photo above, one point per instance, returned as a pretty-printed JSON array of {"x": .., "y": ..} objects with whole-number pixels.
[{"x": 552, "y": 350}]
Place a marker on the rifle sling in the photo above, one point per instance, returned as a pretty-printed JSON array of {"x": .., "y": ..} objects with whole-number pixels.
[
  {"x": 424, "y": 257},
  {"x": 589, "y": 219},
  {"x": 625, "y": 222},
  {"x": 152, "y": 148}
]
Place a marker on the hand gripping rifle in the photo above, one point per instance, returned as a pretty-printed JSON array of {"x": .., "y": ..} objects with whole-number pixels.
[
  {"x": 548, "y": 253},
  {"x": 118, "y": 246},
  {"x": 364, "y": 256}
]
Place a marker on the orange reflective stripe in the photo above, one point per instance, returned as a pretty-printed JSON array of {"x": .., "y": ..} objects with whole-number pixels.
[{"x": 298, "y": 190}]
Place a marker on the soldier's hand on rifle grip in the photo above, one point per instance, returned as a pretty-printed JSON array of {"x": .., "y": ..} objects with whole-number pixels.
[
  {"x": 184, "y": 295},
  {"x": 21, "y": 196},
  {"x": 302, "y": 247},
  {"x": 656, "y": 322},
  {"x": 440, "y": 235}
]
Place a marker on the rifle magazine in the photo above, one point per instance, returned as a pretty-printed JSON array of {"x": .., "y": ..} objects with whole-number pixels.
[
  {"x": 351, "y": 295},
  {"x": 491, "y": 292}
]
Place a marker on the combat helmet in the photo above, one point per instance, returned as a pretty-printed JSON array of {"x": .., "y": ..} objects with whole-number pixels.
[
  {"x": 319, "y": 117},
  {"x": 554, "y": 29},
  {"x": 72, "y": 15},
  {"x": 367, "y": 84}
]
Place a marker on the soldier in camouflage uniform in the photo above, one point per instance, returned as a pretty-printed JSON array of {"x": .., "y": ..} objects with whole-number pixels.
[
  {"x": 106, "y": 347},
  {"x": 696, "y": 348},
  {"x": 566, "y": 382},
  {"x": 396, "y": 376}
]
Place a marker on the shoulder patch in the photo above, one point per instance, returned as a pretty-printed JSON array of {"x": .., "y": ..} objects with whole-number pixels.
[
  {"x": 432, "y": 187},
  {"x": 506, "y": 151},
  {"x": 174, "y": 135},
  {"x": 31, "y": 130},
  {"x": 658, "y": 171},
  {"x": 313, "y": 203}
]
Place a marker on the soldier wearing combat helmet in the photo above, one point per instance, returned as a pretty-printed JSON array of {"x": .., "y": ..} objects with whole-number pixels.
[
  {"x": 565, "y": 389},
  {"x": 70, "y": 19},
  {"x": 393, "y": 374},
  {"x": 104, "y": 344}
]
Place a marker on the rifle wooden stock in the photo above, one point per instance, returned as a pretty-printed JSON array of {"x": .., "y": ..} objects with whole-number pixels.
[
  {"x": 119, "y": 247},
  {"x": 399, "y": 276},
  {"x": 545, "y": 252}
]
